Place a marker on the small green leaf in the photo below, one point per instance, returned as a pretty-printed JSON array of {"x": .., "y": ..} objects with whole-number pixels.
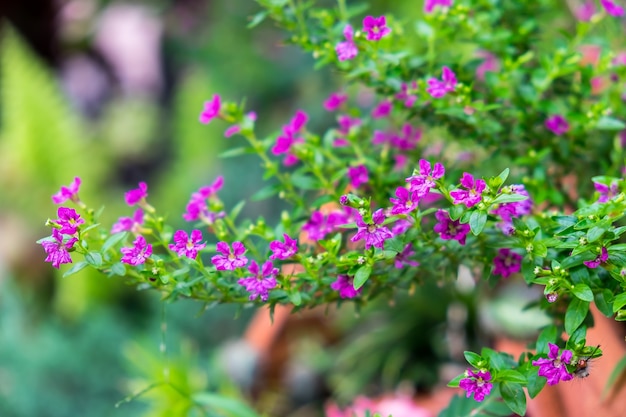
[
  {"x": 225, "y": 406},
  {"x": 509, "y": 198},
  {"x": 535, "y": 382},
  {"x": 118, "y": 269},
  {"x": 547, "y": 335},
  {"x": 477, "y": 221},
  {"x": 257, "y": 19},
  {"x": 619, "y": 301},
  {"x": 583, "y": 292},
  {"x": 575, "y": 314},
  {"x": 514, "y": 397},
  {"x": 602, "y": 302},
  {"x": 113, "y": 240},
  {"x": 295, "y": 298},
  {"x": 265, "y": 192},
  {"x": 610, "y": 123},
  {"x": 455, "y": 382},
  {"x": 473, "y": 359},
  {"x": 618, "y": 370},
  {"x": 361, "y": 276},
  {"x": 94, "y": 259},
  {"x": 595, "y": 233},
  {"x": 75, "y": 268},
  {"x": 234, "y": 152},
  {"x": 511, "y": 375}
]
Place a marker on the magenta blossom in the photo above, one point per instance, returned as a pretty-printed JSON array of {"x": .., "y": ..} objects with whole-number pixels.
[
  {"x": 405, "y": 203},
  {"x": 347, "y": 50},
  {"x": 69, "y": 220},
  {"x": 138, "y": 254},
  {"x": 554, "y": 368},
  {"x": 438, "y": 89},
  {"x": 472, "y": 195},
  {"x": 449, "y": 229},
  {"x": 429, "y": 5},
  {"x": 490, "y": 64},
  {"x": 284, "y": 250},
  {"x": 425, "y": 180},
  {"x": 211, "y": 109},
  {"x": 600, "y": 259},
  {"x": 507, "y": 263},
  {"x": 289, "y": 137},
  {"x": 514, "y": 209},
  {"x": 187, "y": 245},
  {"x": 401, "y": 226},
  {"x": 358, "y": 175},
  {"x": 374, "y": 233},
  {"x": 228, "y": 261},
  {"x": 335, "y": 101},
  {"x": 261, "y": 281},
  {"x": 129, "y": 224},
  {"x": 375, "y": 27},
  {"x": 344, "y": 285},
  {"x": 477, "y": 383},
  {"x": 346, "y": 123},
  {"x": 557, "y": 124},
  {"x": 408, "y": 139},
  {"x": 197, "y": 207},
  {"x": 585, "y": 11},
  {"x": 406, "y": 94},
  {"x": 606, "y": 192},
  {"x": 58, "y": 252},
  {"x": 612, "y": 8},
  {"x": 137, "y": 195},
  {"x": 403, "y": 258},
  {"x": 383, "y": 109},
  {"x": 68, "y": 193},
  {"x": 318, "y": 226}
]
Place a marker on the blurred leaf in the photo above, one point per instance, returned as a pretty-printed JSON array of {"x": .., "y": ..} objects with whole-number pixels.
[
  {"x": 514, "y": 397},
  {"x": 575, "y": 314},
  {"x": 230, "y": 406}
]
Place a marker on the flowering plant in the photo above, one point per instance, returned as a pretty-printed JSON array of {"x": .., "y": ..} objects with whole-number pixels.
[{"x": 442, "y": 157}]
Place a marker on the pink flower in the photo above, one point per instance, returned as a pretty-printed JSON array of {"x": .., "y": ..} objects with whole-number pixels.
[
  {"x": 138, "y": 254},
  {"x": 58, "y": 252},
  {"x": 473, "y": 194},
  {"x": 425, "y": 180},
  {"x": 343, "y": 284},
  {"x": 228, "y": 260},
  {"x": 405, "y": 95},
  {"x": 402, "y": 258},
  {"x": 514, "y": 209},
  {"x": 600, "y": 259},
  {"x": 347, "y": 50},
  {"x": 261, "y": 282},
  {"x": 390, "y": 405},
  {"x": 68, "y": 193},
  {"x": 401, "y": 226},
  {"x": 449, "y": 229},
  {"x": 489, "y": 64},
  {"x": 438, "y": 89},
  {"x": 69, "y": 220},
  {"x": 373, "y": 233},
  {"x": 612, "y": 8},
  {"x": 477, "y": 383},
  {"x": 557, "y": 124},
  {"x": 405, "y": 203},
  {"x": 335, "y": 101},
  {"x": 585, "y": 11},
  {"x": 554, "y": 368},
  {"x": 289, "y": 138},
  {"x": 375, "y": 27},
  {"x": 606, "y": 192},
  {"x": 129, "y": 224},
  {"x": 197, "y": 207},
  {"x": 383, "y": 109},
  {"x": 284, "y": 250},
  {"x": 346, "y": 123},
  {"x": 429, "y": 5},
  {"x": 507, "y": 263},
  {"x": 211, "y": 109},
  {"x": 408, "y": 139},
  {"x": 187, "y": 245},
  {"x": 358, "y": 175},
  {"x": 318, "y": 226},
  {"x": 137, "y": 195}
]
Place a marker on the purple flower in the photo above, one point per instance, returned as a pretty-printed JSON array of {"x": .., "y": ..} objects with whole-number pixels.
[
  {"x": 409, "y": 138},
  {"x": 429, "y": 5},
  {"x": 358, "y": 175},
  {"x": 438, "y": 89},
  {"x": 490, "y": 64},
  {"x": 68, "y": 193},
  {"x": 374, "y": 233},
  {"x": 401, "y": 226},
  {"x": 557, "y": 124},
  {"x": 477, "y": 383},
  {"x": 449, "y": 229},
  {"x": 612, "y": 8},
  {"x": 289, "y": 138},
  {"x": 514, "y": 209},
  {"x": 472, "y": 195},
  {"x": 138, "y": 254},
  {"x": 211, "y": 109},
  {"x": 319, "y": 225},
  {"x": 375, "y": 27},
  {"x": 284, "y": 250},
  {"x": 585, "y": 11},
  {"x": 137, "y": 195},
  {"x": 347, "y": 50},
  {"x": 345, "y": 287},
  {"x": 346, "y": 123},
  {"x": 261, "y": 282},
  {"x": 69, "y": 220},
  {"x": 551, "y": 297},
  {"x": 186, "y": 245},
  {"x": 600, "y": 259},
  {"x": 554, "y": 368},
  {"x": 405, "y": 203},
  {"x": 606, "y": 192},
  {"x": 507, "y": 263},
  {"x": 402, "y": 258},
  {"x": 335, "y": 101},
  {"x": 129, "y": 224},
  {"x": 228, "y": 260},
  {"x": 57, "y": 250},
  {"x": 405, "y": 95},
  {"x": 382, "y": 109},
  {"x": 197, "y": 207},
  {"x": 234, "y": 129},
  {"x": 425, "y": 180}
]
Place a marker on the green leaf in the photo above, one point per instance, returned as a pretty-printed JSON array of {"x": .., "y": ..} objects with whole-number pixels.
[
  {"x": 361, "y": 276},
  {"x": 477, "y": 221},
  {"x": 473, "y": 359},
  {"x": 619, "y": 301},
  {"x": 595, "y": 233},
  {"x": 94, "y": 259},
  {"x": 583, "y": 292},
  {"x": 118, "y": 269},
  {"x": 234, "y": 212},
  {"x": 610, "y": 123},
  {"x": 265, "y": 192},
  {"x": 575, "y": 314},
  {"x": 234, "y": 152},
  {"x": 304, "y": 182},
  {"x": 113, "y": 240},
  {"x": 455, "y": 382},
  {"x": 295, "y": 298},
  {"x": 257, "y": 19},
  {"x": 226, "y": 406},
  {"x": 75, "y": 268},
  {"x": 509, "y": 198},
  {"x": 514, "y": 397},
  {"x": 547, "y": 335},
  {"x": 618, "y": 371},
  {"x": 602, "y": 302},
  {"x": 535, "y": 382},
  {"x": 511, "y": 375}
]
